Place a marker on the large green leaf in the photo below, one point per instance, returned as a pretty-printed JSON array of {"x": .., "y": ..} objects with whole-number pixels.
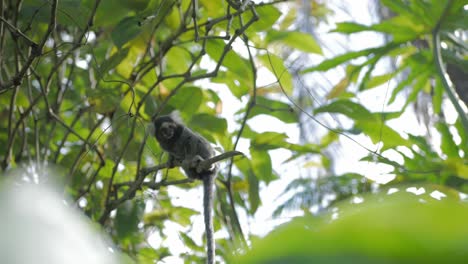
[
  {"x": 126, "y": 30},
  {"x": 340, "y": 59},
  {"x": 112, "y": 62},
  {"x": 385, "y": 228},
  {"x": 348, "y": 108},
  {"x": 379, "y": 80},
  {"x": 415, "y": 73},
  {"x": 187, "y": 100},
  {"x": 276, "y": 66},
  {"x": 104, "y": 99},
  {"x": 274, "y": 108},
  {"x": 295, "y": 39},
  {"x": 407, "y": 29},
  {"x": 379, "y": 132},
  {"x": 213, "y": 8},
  {"x": 261, "y": 165},
  {"x": 208, "y": 123},
  {"x": 254, "y": 192},
  {"x": 269, "y": 140},
  {"x": 240, "y": 69},
  {"x": 69, "y": 12},
  {"x": 463, "y": 135},
  {"x": 350, "y": 27},
  {"x": 127, "y": 218},
  {"x": 268, "y": 15},
  {"x": 178, "y": 61},
  {"x": 447, "y": 144}
]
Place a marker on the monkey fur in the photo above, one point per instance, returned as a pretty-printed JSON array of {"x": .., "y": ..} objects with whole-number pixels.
[{"x": 189, "y": 148}]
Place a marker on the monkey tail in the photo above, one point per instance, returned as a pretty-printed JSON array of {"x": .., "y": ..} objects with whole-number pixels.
[{"x": 208, "y": 192}]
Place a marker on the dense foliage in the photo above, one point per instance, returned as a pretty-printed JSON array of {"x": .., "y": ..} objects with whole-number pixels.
[{"x": 80, "y": 81}]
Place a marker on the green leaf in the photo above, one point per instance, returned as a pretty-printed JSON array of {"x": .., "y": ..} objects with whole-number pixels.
[
  {"x": 340, "y": 59},
  {"x": 398, "y": 6},
  {"x": 127, "y": 218},
  {"x": 112, "y": 62},
  {"x": 210, "y": 123},
  {"x": 156, "y": 11},
  {"x": 104, "y": 99},
  {"x": 379, "y": 132},
  {"x": 438, "y": 95},
  {"x": 239, "y": 68},
  {"x": 238, "y": 87},
  {"x": 384, "y": 228},
  {"x": 268, "y": 15},
  {"x": 269, "y": 140},
  {"x": 69, "y": 13},
  {"x": 274, "y": 108},
  {"x": 276, "y": 66},
  {"x": 339, "y": 88},
  {"x": 261, "y": 165},
  {"x": 407, "y": 28},
  {"x": 422, "y": 82},
  {"x": 328, "y": 139},
  {"x": 457, "y": 167},
  {"x": 254, "y": 193},
  {"x": 182, "y": 215},
  {"x": 379, "y": 80},
  {"x": 348, "y": 108},
  {"x": 126, "y": 30},
  {"x": 148, "y": 254},
  {"x": 188, "y": 242},
  {"x": 304, "y": 148},
  {"x": 448, "y": 146},
  {"x": 187, "y": 100},
  {"x": 288, "y": 19},
  {"x": 350, "y": 27},
  {"x": 423, "y": 145},
  {"x": 463, "y": 135},
  {"x": 178, "y": 61},
  {"x": 415, "y": 73},
  {"x": 295, "y": 39},
  {"x": 213, "y": 8}
]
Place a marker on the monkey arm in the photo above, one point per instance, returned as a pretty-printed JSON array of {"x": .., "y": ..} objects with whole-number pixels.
[{"x": 171, "y": 161}]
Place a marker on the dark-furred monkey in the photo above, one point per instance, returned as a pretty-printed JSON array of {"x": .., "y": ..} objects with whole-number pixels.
[{"x": 189, "y": 149}]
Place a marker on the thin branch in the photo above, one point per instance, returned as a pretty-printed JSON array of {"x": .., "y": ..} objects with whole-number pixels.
[
  {"x": 18, "y": 32},
  {"x": 35, "y": 52}
]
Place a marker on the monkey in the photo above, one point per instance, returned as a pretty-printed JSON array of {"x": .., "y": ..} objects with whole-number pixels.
[{"x": 189, "y": 149}]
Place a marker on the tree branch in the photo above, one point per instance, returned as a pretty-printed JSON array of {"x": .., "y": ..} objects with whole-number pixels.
[{"x": 138, "y": 183}]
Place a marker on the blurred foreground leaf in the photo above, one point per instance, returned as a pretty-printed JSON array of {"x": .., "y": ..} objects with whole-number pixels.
[{"x": 400, "y": 227}]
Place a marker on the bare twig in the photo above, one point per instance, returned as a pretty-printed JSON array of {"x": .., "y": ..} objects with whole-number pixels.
[{"x": 18, "y": 32}]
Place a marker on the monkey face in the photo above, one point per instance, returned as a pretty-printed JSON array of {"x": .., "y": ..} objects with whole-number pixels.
[{"x": 167, "y": 129}]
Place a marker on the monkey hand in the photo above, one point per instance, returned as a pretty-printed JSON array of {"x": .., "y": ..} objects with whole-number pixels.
[
  {"x": 195, "y": 163},
  {"x": 171, "y": 162}
]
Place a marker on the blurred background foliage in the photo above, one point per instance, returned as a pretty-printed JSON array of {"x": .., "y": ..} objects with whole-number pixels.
[{"x": 80, "y": 81}]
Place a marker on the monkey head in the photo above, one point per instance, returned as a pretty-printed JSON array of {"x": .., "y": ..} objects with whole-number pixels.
[{"x": 167, "y": 130}]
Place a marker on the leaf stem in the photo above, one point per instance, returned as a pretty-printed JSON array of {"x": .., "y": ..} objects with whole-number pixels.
[{"x": 452, "y": 95}]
